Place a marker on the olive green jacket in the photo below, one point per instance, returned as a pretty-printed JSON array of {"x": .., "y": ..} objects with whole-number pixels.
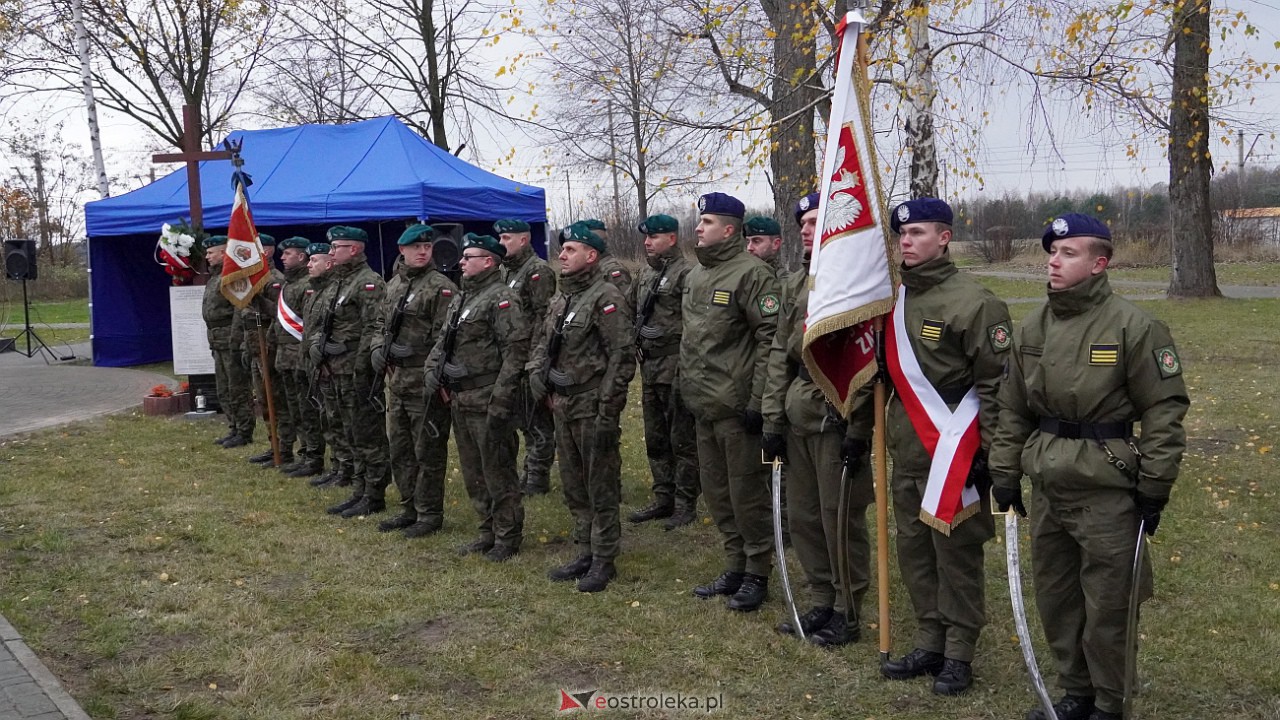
[
  {"x": 294, "y": 292},
  {"x": 426, "y": 294},
  {"x": 615, "y": 272},
  {"x": 218, "y": 312},
  {"x": 312, "y": 313},
  {"x": 534, "y": 283},
  {"x": 355, "y": 294},
  {"x": 659, "y": 336},
  {"x": 730, "y": 312},
  {"x": 1089, "y": 355}
]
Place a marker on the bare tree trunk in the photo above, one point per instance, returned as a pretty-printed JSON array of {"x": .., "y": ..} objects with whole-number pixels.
[
  {"x": 1189, "y": 160},
  {"x": 91, "y": 106},
  {"x": 920, "y": 92},
  {"x": 435, "y": 88}
]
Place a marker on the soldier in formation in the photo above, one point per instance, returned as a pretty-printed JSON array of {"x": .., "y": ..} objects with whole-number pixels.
[
  {"x": 230, "y": 374},
  {"x": 294, "y": 412},
  {"x": 764, "y": 240},
  {"x": 252, "y": 329}
]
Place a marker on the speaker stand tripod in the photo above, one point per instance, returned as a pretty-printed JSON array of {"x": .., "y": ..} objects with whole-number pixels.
[{"x": 35, "y": 344}]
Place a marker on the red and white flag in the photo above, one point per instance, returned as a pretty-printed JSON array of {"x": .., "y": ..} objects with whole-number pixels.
[
  {"x": 851, "y": 272},
  {"x": 245, "y": 270},
  {"x": 289, "y": 320}
]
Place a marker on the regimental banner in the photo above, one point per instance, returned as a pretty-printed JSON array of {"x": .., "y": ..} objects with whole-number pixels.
[
  {"x": 245, "y": 269},
  {"x": 852, "y": 274}
]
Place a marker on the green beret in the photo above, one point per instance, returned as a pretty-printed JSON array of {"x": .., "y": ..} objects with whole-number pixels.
[
  {"x": 318, "y": 249},
  {"x": 580, "y": 233},
  {"x": 655, "y": 224},
  {"x": 267, "y": 240},
  {"x": 214, "y": 241},
  {"x": 594, "y": 224},
  {"x": 295, "y": 242},
  {"x": 346, "y": 232},
  {"x": 510, "y": 225},
  {"x": 416, "y": 234},
  {"x": 761, "y": 225},
  {"x": 488, "y": 243}
]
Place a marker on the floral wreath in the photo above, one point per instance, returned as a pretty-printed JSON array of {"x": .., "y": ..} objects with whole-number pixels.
[{"x": 173, "y": 251}]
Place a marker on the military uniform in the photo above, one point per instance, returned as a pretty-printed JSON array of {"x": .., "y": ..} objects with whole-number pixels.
[
  {"x": 794, "y": 408},
  {"x": 324, "y": 386},
  {"x": 614, "y": 272},
  {"x": 259, "y": 318},
  {"x": 231, "y": 377},
  {"x": 730, "y": 307},
  {"x": 417, "y": 426},
  {"x": 490, "y": 340},
  {"x": 356, "y": 322},
  {"x": 669, "y": 435},
  {"x": 294, "y": 411},
  {"x": 534, "y": 283},
  {"x": 1087, "y": 365}
]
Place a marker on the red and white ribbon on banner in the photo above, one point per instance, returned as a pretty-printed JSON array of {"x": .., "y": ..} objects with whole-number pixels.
[
  {"x": 951, "y": 438},
  {"x": 290, "y": 320}
]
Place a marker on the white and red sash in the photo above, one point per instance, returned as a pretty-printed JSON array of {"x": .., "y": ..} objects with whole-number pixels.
[
  {"x": 950, "y": 438},
  {"x": 289, "y": 320}
]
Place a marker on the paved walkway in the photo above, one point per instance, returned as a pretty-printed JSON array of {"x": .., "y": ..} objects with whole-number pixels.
[{"x": 35, "y": 394}]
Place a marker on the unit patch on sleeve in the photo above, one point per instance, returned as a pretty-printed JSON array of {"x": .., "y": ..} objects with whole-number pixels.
[
  {"x": 1168, "y": 362},
  {"x": 504, "y": 304},
  {"x": 616, "y": 274},
  {"x": 932, "y": 329},
  {"x": 446, "y": 292},
  {"x": 721, "y": 297},
  {"x": 1104, "y": 353},
  {"x": 1001, "y": 337},
  {"x": 768, "y": 304},
  {"x": 609, "y": 309},
  {"x": 370, "y": 286}
]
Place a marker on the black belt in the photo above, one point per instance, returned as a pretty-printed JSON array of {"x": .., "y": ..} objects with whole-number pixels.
[
  {"x": 661, "y": 352},
  {"x": 471, "y": 382},
  {"x": 1075, "y": 430},
  {"x": 570, "y": 390}
]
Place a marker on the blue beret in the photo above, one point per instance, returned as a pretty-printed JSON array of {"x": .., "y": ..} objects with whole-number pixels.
[
  {"x": 346, "y": 232},
  {"x": 488, "y": 243},
  {"x": 266, "y": 240},
  {"x": 594, "y": 224},
  {"x": 720, "y": 204},
  {"x": 416, "y": 234},
  {"x": 920, "y": 210},
  {"x": 510, "y": 225},
  {"x": 318, "y": 249},
  {"x": 761, "y": 225},
  {"x": 807, "y": 203},
  {"x": 655, "y": 224},
  {"x": 295, "y": 243},
  {"x": 580, "y": 233},
  {"x": 1074, "y": 225},
  {"x": 213, "y": 241}
]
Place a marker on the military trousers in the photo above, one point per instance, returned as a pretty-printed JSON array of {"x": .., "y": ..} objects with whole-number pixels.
[
  {"x": 539, "y": 429},
  {"x": 310, "y": 420},
  {"x": 944, "y": 574},
  {"x": 671, "y": 445},
  {"x": 419, "y": 437},
  {"x": 233, "y": 391},
  {"x": 736, "y": 487},
  {"x": 591, "y": 471},
  {"x": 285, "y": 428},
  {"x": 1082, "y": 559},
  {"x": 814, "y": 471},
  {"x": 365, "y": 427},
  {"x": 489, "y": 472},
  {"x": 334, "y": 433},
  {"x": 288, "y": 411}
]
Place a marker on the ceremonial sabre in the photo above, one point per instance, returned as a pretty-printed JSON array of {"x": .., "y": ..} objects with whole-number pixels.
[
  {"x": 842, "y": 545},
  {"x": 1131, "y": 626},
  {"x": 781, "y": 549},
  {"x": 1020, "y": 611}
]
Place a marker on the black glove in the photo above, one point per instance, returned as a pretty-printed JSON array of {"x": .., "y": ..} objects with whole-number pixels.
[
  {"x": 378, "y": 360},
  {"x": 537, "y": 387},
  {"x": 1009, "y": 498},
  {"x": 1150, "y": 508},
  {"x": 316, "y": 353},
  {"x": 774, "y": 446},
  {"x": 753, "y": 422},
  {"x": 606, "y": 434},
  {"x": 854, "y": 451},
  {"x": 979, "y": 473}
]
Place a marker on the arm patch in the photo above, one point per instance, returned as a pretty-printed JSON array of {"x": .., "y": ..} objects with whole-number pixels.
[
  {"x": 1168, "y": 363},
  {"x": 1001, "y": 336}
]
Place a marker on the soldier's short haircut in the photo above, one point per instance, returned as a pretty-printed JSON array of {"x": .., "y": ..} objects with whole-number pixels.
[{"x": 1101, "y": 247}]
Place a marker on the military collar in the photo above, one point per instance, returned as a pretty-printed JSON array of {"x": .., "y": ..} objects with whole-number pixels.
[
  {"x": 666, "y": 258},
  {"x": 514, "y": 261},
  {"x": 713, "y": 255},
  {"x": 577, "y": 282},
  {"x": 296, "y": 274},
  {"x": 928, "y": 274},
  {"x": 1079, "y": 298},
  {"x": 484, "y": 279}
]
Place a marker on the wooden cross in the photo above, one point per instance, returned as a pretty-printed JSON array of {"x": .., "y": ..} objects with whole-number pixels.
[{"x": 192, "y": 155}]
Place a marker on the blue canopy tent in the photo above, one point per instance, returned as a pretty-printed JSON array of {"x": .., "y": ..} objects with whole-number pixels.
[{"x": 375, "y": 174}]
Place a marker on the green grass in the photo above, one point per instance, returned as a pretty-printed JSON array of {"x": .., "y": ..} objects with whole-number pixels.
[
  {"x": 63, "y": 311},
  {"x": 162, "y": 577},
  {"x": 1251, "y": 273}
]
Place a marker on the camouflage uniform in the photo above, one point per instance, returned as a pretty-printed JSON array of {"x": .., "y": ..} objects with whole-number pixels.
[
  {"x": 231, "y": 377},
  {"x": 612, "y": 269},
  {"x": 325, "y": 388},
  {"x": 418, "y": 427},
  {"x": 534, "y": 283},
  {"x": 294, "y": 411},
  {"x": 259, "y": 316},
  {"x": 482, "y": 377},
  {"x": 588, "y": 383}
]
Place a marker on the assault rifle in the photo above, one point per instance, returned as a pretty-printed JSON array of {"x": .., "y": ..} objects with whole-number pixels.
[
  {"x": 389, "y": 336},
  {"x": 447, "y": 345},
  {"x": 555, "y": 342},
  {"x": 326, "y": 331},
  {"x": 646, "y": 311}
]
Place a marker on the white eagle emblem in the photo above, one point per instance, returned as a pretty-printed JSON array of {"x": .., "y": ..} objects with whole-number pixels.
[
  {"x": 804, "y": 203},
  {"x": 1060, "y": 227},
  {"x": 843, "y": 208},
  {"x": 566, "y": 233},
  {"x": 702, "y": 204},
  {"x": 904, "y": 213}
]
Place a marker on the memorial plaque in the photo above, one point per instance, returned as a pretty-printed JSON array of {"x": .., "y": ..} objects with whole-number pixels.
[{"x": 191, "y": 355}]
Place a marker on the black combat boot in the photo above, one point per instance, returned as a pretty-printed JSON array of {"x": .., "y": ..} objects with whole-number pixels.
[
  {"x": 307, "y": 468},
  {"x": 366, "y": 506},
  {"x": 479, "y": 545},
  {"x": 327, "y": 479},
  {"x": 835, "y": 633},
  {"x": 230, "y": 434},
  {"x": 501, "y": 553},
  {"x": 266, "y": 456},
  {"x": 236, "y": 441},
  {"x": 406, "y": 518},
  {"x": 1100, "y": 714},
  {"x": 683, "y": 515},
  {"x": 727, "y": 584},
  {"x": 536, "y": 487},
  {"x": 424, "y": 527},
  {"x": 810, "y": 622},
  {"x": 345, "y": 505},
  {"x": 751, "y": 595},
  {"x": 598, "y": 577},
  {"x": 656, "y": 510},
  {"x": 955, "y": 678},
  {"x": 914, "y": 664},
  {"x": 1070, "y": 707},
  {"x": 571, "y": 570}
]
